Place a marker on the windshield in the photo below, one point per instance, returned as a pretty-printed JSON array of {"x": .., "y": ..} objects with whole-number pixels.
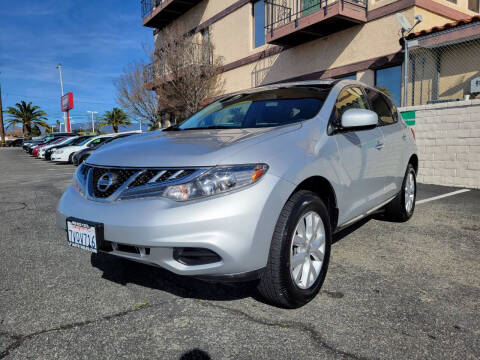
[
  {"x": 82, "y": 141},
  {"x": 77, "y": 140},
  {"x": 259, "y": 109},
  {"x": 69, "y": 140}
]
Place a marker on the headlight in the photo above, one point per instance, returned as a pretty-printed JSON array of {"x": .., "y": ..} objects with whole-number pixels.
[
  {"x": 79, "y": 179},
  {"x": 218, "y": 180},
  {"x": 58, "y": 151}
]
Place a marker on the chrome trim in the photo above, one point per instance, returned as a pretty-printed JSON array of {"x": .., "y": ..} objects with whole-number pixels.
[
  {"x": 150, "y": 188},
  {"x": 154, "y": 179},
  {"x": 379, "y": 206},
  {"x": 125, "y": 193}
]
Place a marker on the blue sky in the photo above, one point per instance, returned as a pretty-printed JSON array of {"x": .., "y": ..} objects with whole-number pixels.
[{"x": 93, "y": 40}]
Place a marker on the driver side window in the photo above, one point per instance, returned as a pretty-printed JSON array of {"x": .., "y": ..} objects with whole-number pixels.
[{"x": 349, "y": 98}]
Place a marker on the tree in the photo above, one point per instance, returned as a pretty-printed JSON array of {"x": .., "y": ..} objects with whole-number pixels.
[
  {"x": 187, "y": 74},
  {"x": 114, "y": 118},
  {"x": 30, "y": 117},
  {"x": 134, "y": 95},
  {"x": 182, "y": 77}
]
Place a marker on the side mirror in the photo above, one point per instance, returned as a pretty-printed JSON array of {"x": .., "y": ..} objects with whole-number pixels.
[{"x": 359, "y": 118}]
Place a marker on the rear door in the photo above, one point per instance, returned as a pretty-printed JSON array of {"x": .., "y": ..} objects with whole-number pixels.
[
  {"x": 361, "y": 157},
  {"x": 392, "y": 130}
]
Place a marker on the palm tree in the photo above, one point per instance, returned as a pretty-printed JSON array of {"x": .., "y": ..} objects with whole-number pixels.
[
  {"x": 115, "y": 118},
  {"x": 30, "y": 117}
]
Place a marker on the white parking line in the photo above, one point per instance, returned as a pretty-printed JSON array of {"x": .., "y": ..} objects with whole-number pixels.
[{"x": 442, "y": 196}]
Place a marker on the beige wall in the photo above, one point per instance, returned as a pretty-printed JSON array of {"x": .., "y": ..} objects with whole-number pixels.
[
  {"x": 461, "y": 5},
  {"x": 232, "y": 38},
  {"x": 362, "y": 42}
]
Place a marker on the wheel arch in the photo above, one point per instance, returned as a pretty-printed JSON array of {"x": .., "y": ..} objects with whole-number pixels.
[
  {"x": 414, "y": 161},
  {"x": 324, "y": 189}
]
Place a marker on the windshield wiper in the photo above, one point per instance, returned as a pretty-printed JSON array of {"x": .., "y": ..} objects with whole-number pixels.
[
  {"x": 213, "y": 127},
  {"x": 172, "y": 128}
]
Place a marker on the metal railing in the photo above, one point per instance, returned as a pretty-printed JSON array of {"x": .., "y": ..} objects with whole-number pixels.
[
  {"x": 282, "y": 12},
  {"x": 147, "y": 6},
  {"x": 193, "y": 55}
]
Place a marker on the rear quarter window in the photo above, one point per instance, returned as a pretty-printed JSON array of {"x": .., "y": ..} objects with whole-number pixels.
[{"x": 382, "y": 106}]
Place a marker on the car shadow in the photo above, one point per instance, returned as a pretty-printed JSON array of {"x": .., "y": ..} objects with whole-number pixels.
[
  {"x": 348, "y": 230},
  {"x": 122, "y": 271}
]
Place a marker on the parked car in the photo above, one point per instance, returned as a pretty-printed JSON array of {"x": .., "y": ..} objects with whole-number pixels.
[
  {"x": 63, "y": 141},
  {"x": 251, "y": 187},
  {"x": 15, "y": 143},
  {"x": 75, "y": 141},
  {"x": 33, "y": 149},
  {"x": 29, "y": 144},
  {"x": 66, "y": 154},
  {"x": 82, "y": 155}
]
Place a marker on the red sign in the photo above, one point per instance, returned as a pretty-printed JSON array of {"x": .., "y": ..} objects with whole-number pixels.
[{"x": 66, "y": 101}]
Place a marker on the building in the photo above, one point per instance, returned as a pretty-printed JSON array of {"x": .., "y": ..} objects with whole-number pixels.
[
  {"x": 267, "y": 41},
  {"x": 444, "y": 63}
]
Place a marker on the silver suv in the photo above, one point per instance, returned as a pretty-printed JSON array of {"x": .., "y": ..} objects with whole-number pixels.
[{"x": 251, "y": 187}]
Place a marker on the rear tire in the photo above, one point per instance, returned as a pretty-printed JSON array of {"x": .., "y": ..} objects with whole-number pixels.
[
  {"x": 402, "y": 207},
  {"x": 298, "y": 259},
  {"x": 70, "y": 158}
]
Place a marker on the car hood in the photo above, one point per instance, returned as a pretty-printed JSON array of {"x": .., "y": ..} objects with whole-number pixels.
[{"x": 182, "y": 148}]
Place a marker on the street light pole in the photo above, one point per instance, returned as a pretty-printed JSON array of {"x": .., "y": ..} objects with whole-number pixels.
[
  {"x": 93, "y": 124},
  {"x": 2, "y": 130},
  {"x": 59, "y": 67}
]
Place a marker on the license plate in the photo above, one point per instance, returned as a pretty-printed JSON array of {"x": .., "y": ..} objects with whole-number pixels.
[{"x": 84, "y": 235}]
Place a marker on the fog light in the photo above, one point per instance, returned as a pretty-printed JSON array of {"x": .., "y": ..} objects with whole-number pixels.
[{"x": 195, "y": 256}]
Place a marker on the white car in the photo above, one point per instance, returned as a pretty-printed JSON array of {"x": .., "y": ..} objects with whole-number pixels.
[{"x": 65, "y": 154}]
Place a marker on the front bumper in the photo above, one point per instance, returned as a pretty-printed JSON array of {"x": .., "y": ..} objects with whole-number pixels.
[
  {"x": 238, "y": 226},
  {"x": 59, "y": 157}
]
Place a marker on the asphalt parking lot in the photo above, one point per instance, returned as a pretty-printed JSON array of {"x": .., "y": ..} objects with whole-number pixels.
[{"x": 393, "y": 291}]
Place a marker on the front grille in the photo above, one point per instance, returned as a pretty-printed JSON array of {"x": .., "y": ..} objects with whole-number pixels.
[
  {"x": 105, "y": 181},
  {"x": 117, "y": 176}
]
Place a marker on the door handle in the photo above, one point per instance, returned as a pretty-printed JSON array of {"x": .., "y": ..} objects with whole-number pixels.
[{"x": 379, "y": 145}]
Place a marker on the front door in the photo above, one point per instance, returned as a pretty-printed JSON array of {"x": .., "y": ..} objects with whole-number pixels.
[{"x": 361, "y": 155}]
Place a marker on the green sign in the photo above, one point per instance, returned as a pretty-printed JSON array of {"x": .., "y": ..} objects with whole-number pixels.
[{"x": 409, "y": 117}]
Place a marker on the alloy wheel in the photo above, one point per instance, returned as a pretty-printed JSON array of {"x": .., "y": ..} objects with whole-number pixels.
[
  {"x": 409, "y": 192},
  {"x": 307, "y": 250}
]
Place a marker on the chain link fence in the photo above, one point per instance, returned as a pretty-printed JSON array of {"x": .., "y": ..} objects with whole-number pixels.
[{"x": 444, "y": 67}]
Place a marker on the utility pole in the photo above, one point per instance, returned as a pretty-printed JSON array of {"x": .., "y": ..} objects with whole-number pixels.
[
  {"x": 93, "y": 123},
  {"x": 2, "y": 130},
  {"x": 59, "y": 67}
]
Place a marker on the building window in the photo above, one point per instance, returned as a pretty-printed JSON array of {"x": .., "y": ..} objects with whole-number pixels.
[
  {"x": 259, "y": 23},
  {"x": 474, "y": 5},
  {"x": 389, "y": 80}
]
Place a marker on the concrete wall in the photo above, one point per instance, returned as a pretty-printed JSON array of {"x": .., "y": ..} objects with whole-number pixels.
[{"x": 448, "y": 140}]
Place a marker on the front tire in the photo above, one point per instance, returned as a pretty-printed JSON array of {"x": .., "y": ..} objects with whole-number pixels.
[
  {"x": 299, "y": 252},
  {"x": 402, "y": 207}
]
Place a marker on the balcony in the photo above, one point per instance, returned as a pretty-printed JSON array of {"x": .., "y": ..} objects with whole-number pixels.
[
  {"x": 292, "y": 22},
  {"x": 158, "y": 13},
  {"x": 193, "y": 57}
]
